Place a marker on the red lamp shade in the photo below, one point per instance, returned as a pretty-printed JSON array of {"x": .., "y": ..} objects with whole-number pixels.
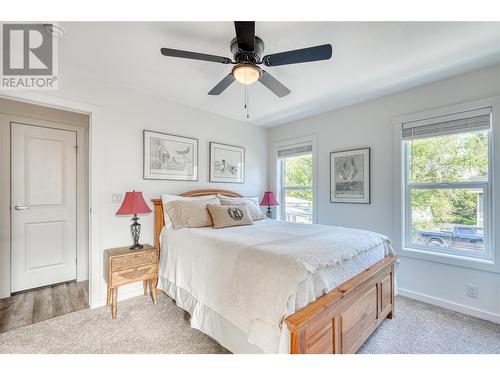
[
  {"x": 133, "y": 204},
  {"x": 269, "y": 200}
]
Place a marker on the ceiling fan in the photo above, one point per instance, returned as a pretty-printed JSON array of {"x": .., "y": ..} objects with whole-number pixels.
[{"x": 247, "y": 52}]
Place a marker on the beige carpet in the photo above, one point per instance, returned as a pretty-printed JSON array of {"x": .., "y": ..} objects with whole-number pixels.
[
  {"x": 420, "y": 328},
  {"x": 142, "y": 327}
]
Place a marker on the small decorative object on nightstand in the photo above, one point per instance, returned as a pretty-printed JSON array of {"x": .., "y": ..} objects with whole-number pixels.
[
  {"x": 134, "y": 204},
  {"x": 123, "y": 266},
  {"x": 269, "y": 200}
]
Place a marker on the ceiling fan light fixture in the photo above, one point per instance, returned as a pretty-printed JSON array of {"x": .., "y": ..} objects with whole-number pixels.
[{"x": 246, "y": 73}]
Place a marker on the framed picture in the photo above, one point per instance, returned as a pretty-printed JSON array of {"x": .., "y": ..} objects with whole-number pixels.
[
  {"x": 170, "y": 157},
  {"x": 227, "y": 163},
  {"x": 350, "y": 176}
]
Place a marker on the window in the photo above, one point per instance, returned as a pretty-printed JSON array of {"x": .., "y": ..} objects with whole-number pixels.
[
  {"x": 296, "y": 183},
  {"x": 447, "y": 195}
]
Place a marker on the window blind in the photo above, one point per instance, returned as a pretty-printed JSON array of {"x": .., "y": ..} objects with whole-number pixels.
[
  {"x": 462, "y": 122},
  {"x": 295, "y": 150}
]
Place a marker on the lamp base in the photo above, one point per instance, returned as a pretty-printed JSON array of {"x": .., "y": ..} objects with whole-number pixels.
[
  {"x": 135, "y": 230},
  {"x": 269, "y": 213},
  {"x": 136, "y": 247}
]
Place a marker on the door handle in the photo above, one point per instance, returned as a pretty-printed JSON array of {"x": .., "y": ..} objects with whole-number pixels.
[{"x": 19, "y": 207}]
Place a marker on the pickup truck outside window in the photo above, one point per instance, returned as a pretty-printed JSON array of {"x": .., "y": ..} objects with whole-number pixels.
[{"x": 446, "y": 193}]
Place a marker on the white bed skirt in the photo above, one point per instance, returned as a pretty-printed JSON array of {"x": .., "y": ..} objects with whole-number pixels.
[{"x": 213, "y": 324}]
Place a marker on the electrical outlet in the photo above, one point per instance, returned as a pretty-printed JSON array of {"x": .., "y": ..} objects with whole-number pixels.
[
  {"x": 117, "y": 198},
  {"x": 472, "y": 291}
]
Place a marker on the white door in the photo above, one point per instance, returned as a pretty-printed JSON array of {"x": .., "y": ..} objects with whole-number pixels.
[{"x": 43, "y": 206}]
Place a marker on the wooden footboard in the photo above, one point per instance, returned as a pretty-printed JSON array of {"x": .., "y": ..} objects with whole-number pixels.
[{"x": 342, "y": 320}]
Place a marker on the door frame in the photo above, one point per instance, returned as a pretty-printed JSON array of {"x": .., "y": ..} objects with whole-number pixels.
[
  {"x": 94, "y": 113},
  {"x": 82, "y": 243}
]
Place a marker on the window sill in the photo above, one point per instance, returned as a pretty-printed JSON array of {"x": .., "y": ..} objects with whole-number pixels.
[{"x": 488, "y": 265}]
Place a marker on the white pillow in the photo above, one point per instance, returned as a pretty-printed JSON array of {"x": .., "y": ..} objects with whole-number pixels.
[
  {"x": 253, "y": 199},
  {"x": 251, "y": 202},
  {"x": 165, "y": 198}
]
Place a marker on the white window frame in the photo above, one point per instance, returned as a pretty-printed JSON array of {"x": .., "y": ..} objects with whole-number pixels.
[
  {"x": 491, "y": 260},
  {"x": 278, "y": 173},
  {"x": 408, "y": 187}
]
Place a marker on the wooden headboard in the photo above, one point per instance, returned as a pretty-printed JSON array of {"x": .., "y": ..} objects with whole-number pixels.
[{"x": 158, "y": 208}]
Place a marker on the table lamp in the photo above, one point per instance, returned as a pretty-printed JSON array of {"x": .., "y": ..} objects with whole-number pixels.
[
  {"x": 269, "y": 200},
  {"x": 134, "y": 204}
]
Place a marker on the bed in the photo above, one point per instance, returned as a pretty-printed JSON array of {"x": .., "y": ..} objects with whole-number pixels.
[{"x": 241, "y": 288}]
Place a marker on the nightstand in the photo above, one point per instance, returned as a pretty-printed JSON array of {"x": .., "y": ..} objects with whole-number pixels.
[{"x": 124, "y": 266}]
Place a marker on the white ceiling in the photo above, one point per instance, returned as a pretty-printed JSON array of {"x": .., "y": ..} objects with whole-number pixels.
[{"x": 370, "y": 59}]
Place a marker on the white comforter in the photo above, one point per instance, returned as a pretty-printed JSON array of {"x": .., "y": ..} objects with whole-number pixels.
[{"x": 248, "y": 274}]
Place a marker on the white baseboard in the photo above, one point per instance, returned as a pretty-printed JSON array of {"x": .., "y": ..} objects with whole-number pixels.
[
  {"x": 478, "y": 313},
  {"x": 139, "y": 291},
  {"x": 126, "y": 294}
]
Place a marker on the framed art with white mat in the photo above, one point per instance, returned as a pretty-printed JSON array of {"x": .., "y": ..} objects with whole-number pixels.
[
  {"x": 170, "y": 157},
  {"x": 227, "y": 163},
  {"x": 350, "y": 176}
]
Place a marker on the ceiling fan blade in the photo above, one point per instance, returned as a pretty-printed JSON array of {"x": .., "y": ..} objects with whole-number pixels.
[
  {"x": 245, "y": 35},
  {"x": 194, "y": 55},
  {"x": 222, "y": 85},
  {"x": 323, "y": 52},
  {"x": 273, "y": 84}
]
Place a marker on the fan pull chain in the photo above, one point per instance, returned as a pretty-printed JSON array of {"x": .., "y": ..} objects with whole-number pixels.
[
  {"x": 246, "y": 106},
  {"x": 247, "y": 100}
]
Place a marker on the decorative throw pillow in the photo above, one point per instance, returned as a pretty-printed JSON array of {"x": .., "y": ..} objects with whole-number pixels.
[
  {"x": 190, "y": 214},
  {"x": 252, "y": 204},
  {"x": 167, "y": 198},
  {"x": 230, "y": 216}
]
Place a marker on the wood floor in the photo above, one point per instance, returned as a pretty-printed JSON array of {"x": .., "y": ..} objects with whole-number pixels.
[{"x": 41, "y": 304}]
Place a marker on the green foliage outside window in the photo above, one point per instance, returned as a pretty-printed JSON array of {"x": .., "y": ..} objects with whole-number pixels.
[
  {"x": 299, "y": 172},
  {"x": 454, "y": 158}
]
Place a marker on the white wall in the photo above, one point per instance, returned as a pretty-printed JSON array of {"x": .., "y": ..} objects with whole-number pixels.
[
  {"x": 370, "y": 124},
  {"x": 119, "y": 116}
]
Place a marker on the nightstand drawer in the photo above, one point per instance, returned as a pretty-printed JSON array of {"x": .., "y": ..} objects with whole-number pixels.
[
  {"x": 133, "y": 260},
  {"x": 133, "y": 274}
]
